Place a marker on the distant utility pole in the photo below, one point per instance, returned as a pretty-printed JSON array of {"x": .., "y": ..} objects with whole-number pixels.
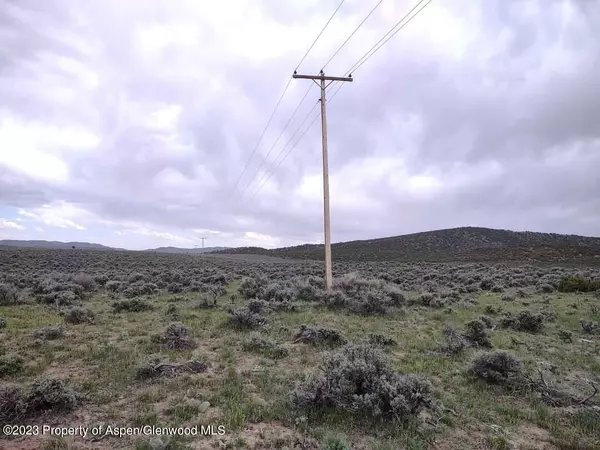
[
  {"x": 203, "y": 241},
  {"x": 326, "y": 218}
]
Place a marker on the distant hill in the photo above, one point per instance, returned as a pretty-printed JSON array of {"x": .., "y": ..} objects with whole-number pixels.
[
  {"x": 54, "y": 244},
  {"x": 186, "y": 250},
  {"x": 456, "y": 244},
  {"x": 91, "y": 246},
  {"x": 466, "y": 244}
]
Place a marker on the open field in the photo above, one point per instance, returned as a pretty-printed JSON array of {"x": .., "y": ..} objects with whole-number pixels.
[{"x": 128, "y": 339}]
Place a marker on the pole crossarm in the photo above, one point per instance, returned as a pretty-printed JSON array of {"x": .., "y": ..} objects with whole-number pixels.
[{"x": 322, "y": 77}]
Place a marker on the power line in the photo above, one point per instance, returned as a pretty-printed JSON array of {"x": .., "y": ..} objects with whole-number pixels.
[
  {"x": 335, "y": 92},
  {"x": 269, "y": 174},
  {"x": 386, "y": 37},
  {"x": 284, "y": 157},
  {"x": 261, "y": 136},
  {"x": 352, "y": 34},
  {"x": 297, "y": 142},
  {"x": 281, "y": 98},
  {"x": 317, "y": 38},
  {"x": 374, "y": 49},
  {"x": 362, "y": 60},
  {"x": 278, "y": 138},
  {"x": 355, "y": 67}
]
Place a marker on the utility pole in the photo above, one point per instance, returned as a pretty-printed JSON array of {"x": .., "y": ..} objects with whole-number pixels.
[
  {"x": 203, "y": 241},
  {"x": 326, "y": 218}
]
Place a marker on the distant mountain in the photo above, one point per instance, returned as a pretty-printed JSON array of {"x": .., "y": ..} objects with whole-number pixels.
[
  {"x": 186, "y": 250},
  {"x": 455, "y": 244},
  {"x": 55, "y": 245}
]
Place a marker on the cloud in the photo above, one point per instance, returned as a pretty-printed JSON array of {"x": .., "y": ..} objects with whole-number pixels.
[
  {"x": 7, "y": 224},
  {"x": 133, "y": 228},
  {"x": 59, "y": 214},
  {"x": 138, "y": 118}
]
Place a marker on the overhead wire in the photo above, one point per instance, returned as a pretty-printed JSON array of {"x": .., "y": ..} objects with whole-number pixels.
[
  {"x": 297, "y": 142},
  {"x": 267, "y": 175},
  {"x": 278, "y": 138},
  {"x": 363, "y": 59},
  {"x": 341, "y": 46},
  {"x": 280, "y": 100},
  {"x": 261, "y": 137},
  {"x": 352, "y": 34},
  {"x": 355, "y": 67},
  {"x": 374, "y": 49},
  {"x": 335, "y": 92},
  {"x": 319, "y": 35}
]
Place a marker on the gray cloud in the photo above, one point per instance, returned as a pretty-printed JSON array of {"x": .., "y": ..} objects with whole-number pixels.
[{"x": 478, "y": 113}]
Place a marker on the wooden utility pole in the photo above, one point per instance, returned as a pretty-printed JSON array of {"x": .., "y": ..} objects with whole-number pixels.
[
  {"x": 203, "y": 241},
  {"x": 326, "y": 218}
]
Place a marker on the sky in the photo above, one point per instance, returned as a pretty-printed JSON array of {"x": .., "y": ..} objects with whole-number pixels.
[{"x": 137, "y": 124}]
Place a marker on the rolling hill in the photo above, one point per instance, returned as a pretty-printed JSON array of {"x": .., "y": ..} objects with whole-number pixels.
[
  {"x": 54, "y": 245},
  {"x": 91, "y": 246},
  {"x": 466, "y": 244},
  {"x": 456, "y": 244}
]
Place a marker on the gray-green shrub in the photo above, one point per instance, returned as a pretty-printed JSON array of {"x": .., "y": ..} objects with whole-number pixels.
[{"x": 358, "y": 379}]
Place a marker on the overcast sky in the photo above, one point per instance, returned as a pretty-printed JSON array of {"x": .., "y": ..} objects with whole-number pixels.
[{"x": 128, "y": 123}]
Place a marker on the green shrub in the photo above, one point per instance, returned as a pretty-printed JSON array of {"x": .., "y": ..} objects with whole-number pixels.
[
  {"x": 132, "y": 305},
  {"x": 11, "y": 364},
  {"x": 488, "y": 321},
  {"x": 590, "y": 327},
  {"x": 113, "y": 286},
  {"x": 524, "y": 321},
  {"x": 155, "y": 366},
  {"x": 260, "y": 344},
  {"x": 42, "y": 395},
  {"x": 372, "y": 302},
  {"x": 12, "y": 406},
  {"x": 177, "y": 336},
  {"x": 50, "y": 394},
  {"x": 319, "y": 336},
  {"x": 476, "y": 333},
  {"x": 251, "y": 287},
  {"x": 86, "y": 281},
  {"x": 77, "y": 315},
  {"x": 173, "y": 312},
  {"x": 207, "y": 300},
  {"x": 578, "y": 284},
  {"x": 497, "y": 366},
  {"x": 454, "y": 343},
  {"x": 9, "y": 294},
  {"x": 244, "y": 318},
  {"x": 491, "y": 309},
  {"x": 380, "y": 340},
  {"x": 49, "y": 333},
  {"x": 566, "y": 335},
  {"x": 335, "y": 443}
]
